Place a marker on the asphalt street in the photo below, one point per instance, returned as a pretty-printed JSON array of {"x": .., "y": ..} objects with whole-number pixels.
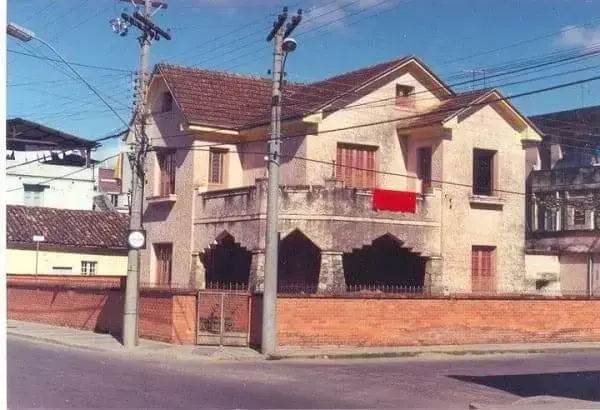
[{"x": 50, "y": 376}]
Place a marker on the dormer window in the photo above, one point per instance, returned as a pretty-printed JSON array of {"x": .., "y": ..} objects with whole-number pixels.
[
  {"x": 166, "y": 102},
  {"x": 405, "y": 96}
]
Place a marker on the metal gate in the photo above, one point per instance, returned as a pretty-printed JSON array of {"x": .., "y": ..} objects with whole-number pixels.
[{"x": 223, "y": 318}]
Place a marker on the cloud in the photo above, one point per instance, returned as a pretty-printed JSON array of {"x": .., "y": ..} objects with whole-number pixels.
[{"x": 575, "y": 36}]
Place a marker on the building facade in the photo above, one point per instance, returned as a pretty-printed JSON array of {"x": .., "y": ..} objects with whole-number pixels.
[
  {"x": 564, "y": 202},
  {"x": 388, "y": 178},
  {"x": 50, "y": 241},
  {"x": 48, "y": 168}
]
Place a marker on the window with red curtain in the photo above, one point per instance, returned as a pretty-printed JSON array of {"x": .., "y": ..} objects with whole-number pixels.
[
  {"x": 483, "y": 269},
  {"x": 164, "y": 261},
  {"x": 355, "y": 165},
  {"x": 167, "y": 166}
]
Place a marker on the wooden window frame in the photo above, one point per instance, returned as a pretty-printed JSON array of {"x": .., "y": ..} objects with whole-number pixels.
[
  {"x": 477, "y": 189},
  {"x": 405, "y": 96},
  {"x": 167, "y": 170},
  {"x": 356, "y": 165},
  {"x": 163, "y": 267},
  {"x": 425, "y": 175},
  {"x": 483, "y": 269},
  {"x": 223, "y": 165}
]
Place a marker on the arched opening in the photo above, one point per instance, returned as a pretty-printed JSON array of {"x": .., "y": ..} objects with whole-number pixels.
[
  {"x": 384, "y": 264},
  {"x": 227, "y": 263},
  {"x": 299, "y": 264}
]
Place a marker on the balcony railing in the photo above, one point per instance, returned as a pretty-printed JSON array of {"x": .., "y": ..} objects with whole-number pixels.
[{"x": 579, "y": 177}]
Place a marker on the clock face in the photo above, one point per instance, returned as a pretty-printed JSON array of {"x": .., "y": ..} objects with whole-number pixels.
[{"x": 136, "y": 239}]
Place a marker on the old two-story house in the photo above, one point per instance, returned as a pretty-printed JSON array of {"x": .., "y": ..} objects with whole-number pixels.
[
  {"x": 388, "y": 178},
  {"x": 47, "y": 167},
  {"x": 563, "y": 227}
]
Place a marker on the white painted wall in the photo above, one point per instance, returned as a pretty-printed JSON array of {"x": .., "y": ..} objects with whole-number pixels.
[{"x": 75, "y": 191}]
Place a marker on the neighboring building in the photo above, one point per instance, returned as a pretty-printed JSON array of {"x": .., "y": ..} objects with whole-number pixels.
[
  {"x": 111, "y": 197},
  {"x": 563, "y": 238},
  {"x": 205, "y": 207},
  {"x": 46, "y": 167},
  {"x": 75, "y": 242}
]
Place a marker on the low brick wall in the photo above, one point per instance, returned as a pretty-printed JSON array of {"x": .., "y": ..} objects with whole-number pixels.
[
  {"x": 322, "y": 321},
  {"x": 97, "y": 304}
]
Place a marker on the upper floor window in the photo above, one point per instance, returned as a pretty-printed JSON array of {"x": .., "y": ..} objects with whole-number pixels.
[
  {"x": 483, "y": 172},
  {"x": 166, "y": 102},
  {"x": 579, "y": 217},
  {"x": 167, "y": 167},
  {"x": 424, "y": 167},
  {"x": 355, "y": 165},
  {"x": 216, "y": 161},
  {"x": 405, "y": 96},
  {"x": 33, "y": 194}
]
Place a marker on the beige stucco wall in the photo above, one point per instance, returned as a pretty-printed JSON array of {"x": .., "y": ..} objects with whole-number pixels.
[
  {"x": 169, "y": 222},
  {"x": 464, "y": 225},
  {"x": 22, "y": 262},
  {"x": 574, "y": 273},
  {"x": 392, "y": 153}
]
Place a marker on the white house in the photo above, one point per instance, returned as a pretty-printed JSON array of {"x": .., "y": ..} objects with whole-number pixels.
[{"x": 48, "y": 168}]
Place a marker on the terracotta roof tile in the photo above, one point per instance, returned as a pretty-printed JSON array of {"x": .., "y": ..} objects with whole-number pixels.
[
  {"x": 65, "y": 227},
  {"x": 236, "y": 101}
]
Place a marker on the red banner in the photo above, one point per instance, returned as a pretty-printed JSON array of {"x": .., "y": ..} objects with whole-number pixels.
[{"x": 395, "y": 201}]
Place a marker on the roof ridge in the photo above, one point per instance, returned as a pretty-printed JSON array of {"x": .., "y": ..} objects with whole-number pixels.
[
  {"x": 365, "y": 68},
  {"x": 589, "y": 107},
  {"x": 207, "y": 70},
  {"x": 47, "y": 208}
]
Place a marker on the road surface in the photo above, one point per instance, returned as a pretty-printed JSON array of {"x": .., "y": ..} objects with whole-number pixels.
[{"x": 50, "y": 376}]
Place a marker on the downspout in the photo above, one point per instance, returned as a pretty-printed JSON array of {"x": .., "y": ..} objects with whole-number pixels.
[{"x": 590, "y": 279}]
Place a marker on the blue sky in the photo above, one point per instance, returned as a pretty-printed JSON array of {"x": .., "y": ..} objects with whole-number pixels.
[{"x": 451, "y": 36}]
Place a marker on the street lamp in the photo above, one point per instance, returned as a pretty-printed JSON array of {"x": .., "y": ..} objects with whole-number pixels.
[{"x": 24, "y": 35}]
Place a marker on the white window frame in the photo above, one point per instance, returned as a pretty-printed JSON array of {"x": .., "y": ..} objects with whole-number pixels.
[{"x": 89, "y": 268}]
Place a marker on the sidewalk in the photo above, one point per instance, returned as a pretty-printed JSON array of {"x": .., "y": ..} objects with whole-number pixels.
[
  {"x": 148, "y": 349},
  {"x": 158, "y": 350}
]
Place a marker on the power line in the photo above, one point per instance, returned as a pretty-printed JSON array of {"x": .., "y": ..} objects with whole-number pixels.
[{"x": 72, "y": 63}]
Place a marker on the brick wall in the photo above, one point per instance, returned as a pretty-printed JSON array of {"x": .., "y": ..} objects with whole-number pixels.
[
  {"x": 97, "y": 304},
  {"x": 320, "y": 321}
]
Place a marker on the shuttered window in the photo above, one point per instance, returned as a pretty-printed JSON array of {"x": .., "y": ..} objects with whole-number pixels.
[
  {"x": 483, "y": 269},
  {"x": 167, "y": 166},
  {"x": 216, "y": 166},
  {"x": 164, "y": 254},
  {"x": 355, "y": 165}
]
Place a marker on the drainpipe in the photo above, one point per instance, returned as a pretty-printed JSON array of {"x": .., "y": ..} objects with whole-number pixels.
[{"x": 590, "y": 266}]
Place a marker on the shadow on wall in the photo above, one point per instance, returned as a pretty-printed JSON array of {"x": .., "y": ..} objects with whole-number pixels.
[
  {"x": 573, "y": 385},
  {"x": 110, "y": 318},
  {"x": 158, "y": 212}
]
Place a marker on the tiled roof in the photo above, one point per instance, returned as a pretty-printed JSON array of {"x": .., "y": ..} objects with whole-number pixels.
[
  {"x": 107, "y": 182},
  {"x": 446, "y": 109},
  {"x": 65, "y": 227},
  {"x": 234, "y": 101}
]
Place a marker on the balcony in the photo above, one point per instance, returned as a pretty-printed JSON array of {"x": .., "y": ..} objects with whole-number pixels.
[
  {"x": 566, "y": 178},
  {"x": 334, "y": 216}
]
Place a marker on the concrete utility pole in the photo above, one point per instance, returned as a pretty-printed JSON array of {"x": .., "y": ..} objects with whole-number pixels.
[
  {"x": 137, "y": 156},
  {"x": 282, "y": 45}
]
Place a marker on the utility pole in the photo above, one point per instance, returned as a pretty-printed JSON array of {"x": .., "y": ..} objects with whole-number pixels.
[
  {"x": 139, "y": 148},
  {"x": 282, "y": 45}
]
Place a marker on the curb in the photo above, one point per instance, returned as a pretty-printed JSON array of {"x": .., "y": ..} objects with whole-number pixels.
[
  {"x": 149, "y": 354},
  {"x": 384, "y": 355}
]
